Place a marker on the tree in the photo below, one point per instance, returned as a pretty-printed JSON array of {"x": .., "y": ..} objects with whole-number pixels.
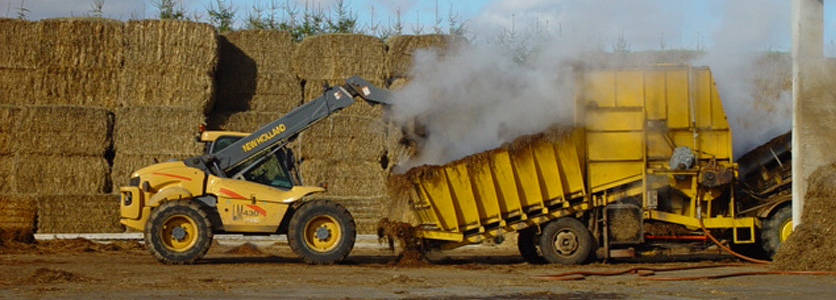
[
  {"x": 170, "y": 10},
  {"x": 96, "y": 8},
  {"x": 222, "y": 16},
  {"x": 21, "y": 11}
]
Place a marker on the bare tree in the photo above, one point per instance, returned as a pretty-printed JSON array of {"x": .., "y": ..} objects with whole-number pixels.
[
  {"x": 21, "y": 11},
  {"x": 96, "y": 8}
]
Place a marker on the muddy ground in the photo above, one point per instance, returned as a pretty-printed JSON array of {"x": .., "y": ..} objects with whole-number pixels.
[{"x": 272, "y": 271}]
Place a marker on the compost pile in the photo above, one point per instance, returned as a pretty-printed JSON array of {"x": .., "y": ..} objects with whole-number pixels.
[{"x": 810, "y": 246}]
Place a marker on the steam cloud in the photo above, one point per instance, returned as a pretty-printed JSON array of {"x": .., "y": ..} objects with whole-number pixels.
[{"x": 479, "y": 96}]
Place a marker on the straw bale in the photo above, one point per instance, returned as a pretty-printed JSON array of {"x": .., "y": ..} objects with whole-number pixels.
[
  {"x": 261, "y": 92},
  {"x": 345, "y": 179},
  {"x": 78, "y": 214},
  {"x": 157, "y": 130},
  {"x": 243, "y": 121},
  {"x": 17, "y": 211},
  {"x": 402, "y": 47},
  {"x": 19, "y": 38},
  {"x": 167, "y": 86},
  {"x": 64, "y": 130},
  {"x": 9, "y": 116},
  {"x": 366, "y": 212},
  {"x": 55, "y": 174},
  {"x": 80, "y": 43},
  {"x": 7, "y": 173},
  {"x": 270, "y": 50},
  {"x": 344, "y": 138},
  {"x": 167, "y": 43},
  {"x": 327, "y": 56},
  {"x": 125, "y": 164},
  {"x": 17, "y": 86},
  {"x": 77, "y": 86},
  {"x": 313, "y": 89}
]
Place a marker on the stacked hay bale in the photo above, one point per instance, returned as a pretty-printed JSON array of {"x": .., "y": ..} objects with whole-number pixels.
[
  {"x": 58, "y": 132},
  {"x": 255, "y": 80},
  {"x": 166, "y": 87},
  {"x": 346, "y": 150}
]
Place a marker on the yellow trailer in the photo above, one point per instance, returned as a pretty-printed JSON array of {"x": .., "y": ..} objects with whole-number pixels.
[{"x": 648, "y": 145}]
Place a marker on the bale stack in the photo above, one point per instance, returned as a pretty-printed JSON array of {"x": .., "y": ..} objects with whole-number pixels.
[
  {"x": 167, "y": 86},
  {"x": 17, "y": 220},
  {"x": 79, "y": 61},
  {"x": 346, "y": 149},
  {"x": 17, "y": 61},
  {"x": 79, "y": 213}
]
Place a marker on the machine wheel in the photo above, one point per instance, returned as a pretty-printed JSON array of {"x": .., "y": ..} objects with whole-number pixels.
[
  {"x": 178, "y": 232},
  {"x": 566, "y": 241},
  {"x": 527, "y": 241},
  {"x": 321, "y": 232},
  {"x": 776, "y": 228}
]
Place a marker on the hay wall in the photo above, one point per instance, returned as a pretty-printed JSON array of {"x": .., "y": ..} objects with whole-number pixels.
[
  {"x": 57, "y": 174},
  {"x": 62, "y": 130},
  {"x": 157, "y": 130},
  {"x": 78, "y": 213},
  {"x": 7, "y": 175},
  {"x": 401, "y": 48}
]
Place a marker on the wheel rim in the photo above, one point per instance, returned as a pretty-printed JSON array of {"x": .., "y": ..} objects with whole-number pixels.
[
  {"x": 786, "y": 229},
  {"x": 179, "y": 233},
  {"x": 322, "y": 233},
  {"x": 566, "y": 242}
]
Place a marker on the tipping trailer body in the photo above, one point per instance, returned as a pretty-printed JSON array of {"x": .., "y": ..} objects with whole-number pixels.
[{"x": 654, "y": 141}]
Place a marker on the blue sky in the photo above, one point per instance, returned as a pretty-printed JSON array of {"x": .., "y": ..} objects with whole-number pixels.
[{"x": 680, "y": 23}]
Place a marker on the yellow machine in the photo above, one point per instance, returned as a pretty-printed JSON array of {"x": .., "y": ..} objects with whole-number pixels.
[
  {"x": 245, "y": 183},
  {"x": 649, "y": 146}
]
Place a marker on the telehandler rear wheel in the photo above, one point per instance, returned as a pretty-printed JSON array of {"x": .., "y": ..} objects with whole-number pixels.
[
  {"x": 566, "y": 241},
  {"x": 321, "y": 232},
  {"x": 178, "y": 232},
  {"x": 527, "y": 242},
  {"x": 776, "y": 228}
]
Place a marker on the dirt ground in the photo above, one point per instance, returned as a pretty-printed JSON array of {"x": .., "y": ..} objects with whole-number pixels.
[{"x": 273, "y": 271}]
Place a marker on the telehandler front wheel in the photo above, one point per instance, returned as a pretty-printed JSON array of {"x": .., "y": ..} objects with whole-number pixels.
[
  {"x": 178, "y": 232},
  {"x": 776, "y": 229},
  {"x": 321, "y": 232},
  {"x": 566, "y": 241}
]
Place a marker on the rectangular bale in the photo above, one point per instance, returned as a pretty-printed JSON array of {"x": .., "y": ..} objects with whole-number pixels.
[
  {"x": 19, "y": 39},
  {"x": 79, "y": 214},
  {"x": 268, "y": 50},
  {"x": 56, "y": 174},
  {"x": 340, "y": 56},
  {"x": 259, "y": 92},
  {"x": 248, "y": 121},
  {"x": 64, "y": 130},
  {"x": 344, "y": 138},
  {"x": 345, "y": 179},
  {"x": 17, "y": 211},
  {"x": 81, "y": 43},
  {"x": 157, "y": 130},
  {"x": 17, "y": 86},
  {"x": 77, "y": 86},
  {"x": 401, "y": 48},
  {"x": 170, "y": 43},
  {"x": 125, "y": 164},
  {"x": 171, "y": 86}
]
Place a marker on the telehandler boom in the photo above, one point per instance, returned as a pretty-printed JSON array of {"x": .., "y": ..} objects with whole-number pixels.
[{"x": 244, "y": 185}]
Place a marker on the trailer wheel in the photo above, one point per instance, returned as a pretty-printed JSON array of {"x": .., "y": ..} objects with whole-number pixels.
[
  {"x": 566, "y": 241},
  {"x": 178, "y": 232},
  {"x": 527, "y": 242},
  {"x": 321, "y": 232},
  {"x": 776, "y": 228}
]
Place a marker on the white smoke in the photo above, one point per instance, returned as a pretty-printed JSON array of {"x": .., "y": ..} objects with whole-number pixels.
[{"x": 478, "y": 97}]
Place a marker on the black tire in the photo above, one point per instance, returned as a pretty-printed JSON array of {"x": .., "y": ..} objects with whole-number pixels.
[
  {"x": 321, "y": 232},
  {"x": 178, "y": 232},
  {"x": 773, "y": 225},
  {"x": 527, "y": 242},
  {"x": 576, "y": 242}
]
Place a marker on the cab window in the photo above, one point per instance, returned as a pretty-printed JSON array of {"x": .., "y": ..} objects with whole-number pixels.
[{"x": 269, "y": 171}]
